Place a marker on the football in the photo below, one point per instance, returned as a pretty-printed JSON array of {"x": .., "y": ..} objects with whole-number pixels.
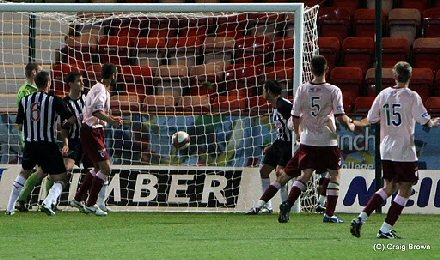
[{"x": 180, "y": 140}]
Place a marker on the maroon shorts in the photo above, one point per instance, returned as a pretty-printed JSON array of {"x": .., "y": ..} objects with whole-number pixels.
[
  {"x": 93, "y": 143},
  {"x": 292, "y": 167},
  {"x": 400, "y": 171},
  {"x": 319, "y": 157}
]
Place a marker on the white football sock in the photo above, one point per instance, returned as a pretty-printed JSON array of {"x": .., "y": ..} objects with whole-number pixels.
[
  {"x": 321, "y": 200},
  {"x": 284, "y": 192},
  {"x": 386, "y": 228},
  {"x": 54, "y": 193},
  {"x": 101, "y": 194},
  {"x": 17, "y": 186}
]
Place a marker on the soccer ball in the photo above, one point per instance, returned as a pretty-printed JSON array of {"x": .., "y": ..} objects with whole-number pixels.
[{"x": 180, "y": 140}]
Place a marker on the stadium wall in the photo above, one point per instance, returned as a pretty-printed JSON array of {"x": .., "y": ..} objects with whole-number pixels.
[{"x": 228, "y": 189}]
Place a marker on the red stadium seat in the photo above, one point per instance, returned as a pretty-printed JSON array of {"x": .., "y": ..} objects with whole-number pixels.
[
  {"x": 114, "y": 49},
  {"x": 283, "y": 49},
  {"x": 362, "y": 105},
  {"x": 185, "y": 47},
  {"x": 137, "y": 79},
  {"x": 253, "y": 50},
  {"x": 160, "y": 104},
  {"x": 196, "y": 104},
  {"x": 228, "y": 26},
  {"x": 219, "y": 49},
  {"x": 59, "y": 71},
  {"x": 350, "y": 5},
  {"x": 330, "y": 48},
  {"x": 422, "y": 80},
  {"x": 350, "y": 81},
  {"x": 334, "y": 22},
  {"x": 206, "y": 77},
  {"x": 436, "y": 85},
  {"x": 124, "y": 103},
  {"x": 431, "y": 22},
  {"x": 364, "y": 22},
  {"x": 370, "y": 80},
  {"x": 404, "y": 22},
  {"x": 394, "y": 50},
  {"x": 435, "y": 3},
  {"x": 284, "y": 75},
  {"x": 172, "y": 80},
  {"x": 433, "y": 105},
  {"x": 242, "y": 78},
  {"x": 420, "y": 5},
  {"x": 233, "y": 102},
  {"x": 387, "y": 5},
  {"x": 93, "y": 72},
  {"x": 426, "y": 53},
  {"x": 259, "y": 106},
  {"x": 358, "y": 52}
]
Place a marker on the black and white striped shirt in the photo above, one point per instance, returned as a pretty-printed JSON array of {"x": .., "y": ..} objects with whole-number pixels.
[
  {"x": 75, "y": 107},
  {"x": 281, "y": 114},
  {"x": 38, "y": 114}
]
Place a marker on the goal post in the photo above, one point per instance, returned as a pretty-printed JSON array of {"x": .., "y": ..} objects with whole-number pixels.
[{"x": 197, "y": 68}]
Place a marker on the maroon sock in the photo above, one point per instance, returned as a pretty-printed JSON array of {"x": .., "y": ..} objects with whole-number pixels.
[
  {"x": 324, "y": 186},
  {"x": 81, "y": 194},
  {"x": 393, "y": 213},
  {"x": 97, "y": 184},
  {"x": 269, "y": 193},
  {"x": 293, "y": 195},
  {"x": 331, "y": 205},
  {"x": 373, "y": 203}
]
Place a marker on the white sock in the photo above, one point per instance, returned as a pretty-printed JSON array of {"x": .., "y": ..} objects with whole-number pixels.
[
  {"x": 260, "y": 203},
  {"x": 363, "y": 216},
  {"x": 101, "y": 194},
  {"x": 17, "y": 186},
  {"x": 54, "y": 193},
  {"x": 386, "y": 228},
  {"x": 284, "y": 192},
  {"x": 321, "y": 200},
  {"x": 265, "y": 182}
]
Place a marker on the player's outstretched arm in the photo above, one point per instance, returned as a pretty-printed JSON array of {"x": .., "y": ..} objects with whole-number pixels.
[
  {"x": 434, "y": 122},
  {"x": 361, "y": 123},
  {"x": 114, "y": 121},
  {"x": 346, "y": 121}
]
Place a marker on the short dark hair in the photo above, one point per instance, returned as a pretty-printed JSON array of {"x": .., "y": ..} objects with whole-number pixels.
[
  {"x": 29, "y": 68},
  {"x": 70, "y": 78},
  {"x": 402, "y": 71},
  {"x": 319, "y": 65},
  {"x": 42, "y": 79},
  {"x": 274, "y": 86},
  {"x": 108, "y": 70}
]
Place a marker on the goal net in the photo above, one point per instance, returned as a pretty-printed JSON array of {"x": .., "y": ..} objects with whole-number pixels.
[{"x": 200, "y": 72}]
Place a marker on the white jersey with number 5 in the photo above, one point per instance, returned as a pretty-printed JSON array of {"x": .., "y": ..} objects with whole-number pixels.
[
  {"x": 397, "y": 110},
  {"x": 317, "y": 105}
]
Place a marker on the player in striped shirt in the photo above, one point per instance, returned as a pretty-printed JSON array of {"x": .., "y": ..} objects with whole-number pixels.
[
  {"x": 278, "y": 154},
  {"x": 96, "y": 115},
  {"x": 397, "y": 109},
  {"x": 316, "y": 105},
  {"x": 38, "y": 114}
]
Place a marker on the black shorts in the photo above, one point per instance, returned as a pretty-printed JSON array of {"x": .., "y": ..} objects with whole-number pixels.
[
  {"x": 279, "y": 153},
  {"x": 76, "y": 153},
  {"x": 45, "y": 154}
]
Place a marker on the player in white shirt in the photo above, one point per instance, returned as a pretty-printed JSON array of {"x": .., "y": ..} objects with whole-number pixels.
[
  {"x": 96, "y": 115},
  {"x": 397, "y": 109},
  {"x": 315, "y": 108}
]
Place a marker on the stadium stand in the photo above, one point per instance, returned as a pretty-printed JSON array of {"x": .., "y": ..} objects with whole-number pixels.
[
  {"x": 364, "y": 22},
  {"x": 334, "y": 22},
  {"x": 330, "y": 47},
  {"x": 431, "y": 22},
  {"x": 358, "y": 52},
  {"x": 426, "y": 53},
  {"x": 404, "y": 22},
  {"x": 393, "y": 50}
]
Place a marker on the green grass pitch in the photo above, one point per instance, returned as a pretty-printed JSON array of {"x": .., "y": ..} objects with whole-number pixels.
[{"x": 73, "y": 235}]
